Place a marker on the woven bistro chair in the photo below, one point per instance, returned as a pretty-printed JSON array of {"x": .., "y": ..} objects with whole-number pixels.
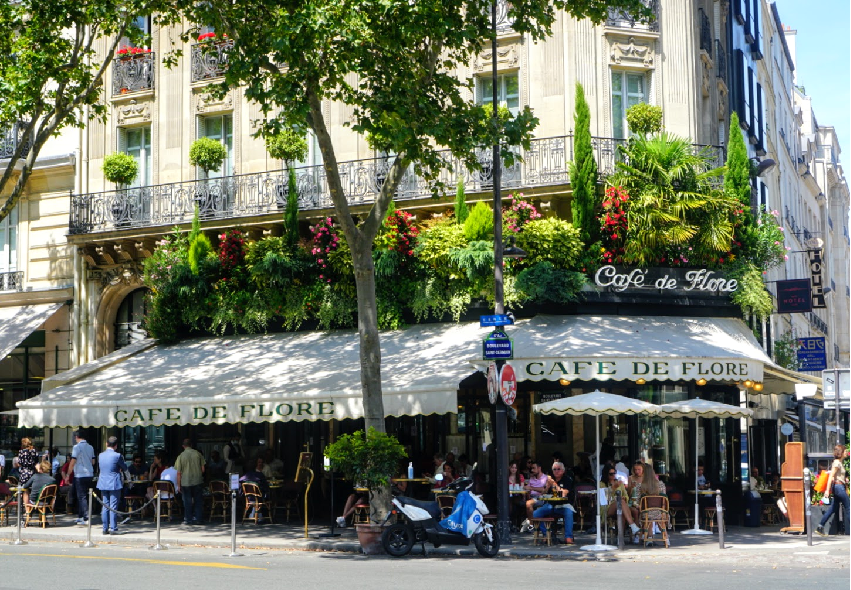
[
  {"x": 654, "y": 510},
  {"x": 168, "y": 499},
  {"x": 44, "y": 504},
  {"x": 254, "y": 499}
]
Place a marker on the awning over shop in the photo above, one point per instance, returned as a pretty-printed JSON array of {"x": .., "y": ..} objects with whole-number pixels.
[
  {"x": 631, "y": 348},
  {"x": 16, "y": 323},
  {"x": 261, "y": 378}
]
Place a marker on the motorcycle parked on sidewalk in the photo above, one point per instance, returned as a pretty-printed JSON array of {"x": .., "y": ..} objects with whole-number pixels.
[{"x": 424, "y": 522}]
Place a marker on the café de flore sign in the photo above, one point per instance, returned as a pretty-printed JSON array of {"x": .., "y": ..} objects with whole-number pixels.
[{"x": 680, "y": 280}]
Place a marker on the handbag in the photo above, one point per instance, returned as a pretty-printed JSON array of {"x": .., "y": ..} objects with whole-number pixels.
[{"x": 821, "y": 482}]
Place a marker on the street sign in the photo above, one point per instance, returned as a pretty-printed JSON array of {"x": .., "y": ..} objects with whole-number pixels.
[
  {"x": 829, "y": 384},
  {"x": 508, "y": 385},
  {"x": 500, "y": 319},
  {"x": 812, "y": 355},
  {"x": 497, "y": 346},
  {"x": 493, "y": 382}
]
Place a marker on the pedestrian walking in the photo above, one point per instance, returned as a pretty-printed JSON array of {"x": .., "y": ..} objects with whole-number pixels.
[
  {"x": 110, "y": 484},
  {"x": 82, "y": 469},
  {"x": 190, "y": 480}
]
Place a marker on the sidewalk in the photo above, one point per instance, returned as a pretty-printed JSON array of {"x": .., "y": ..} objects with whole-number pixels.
[{"x": 740, "y": 543}]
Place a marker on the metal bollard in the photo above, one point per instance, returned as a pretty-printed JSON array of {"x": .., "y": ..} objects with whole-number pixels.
[
  {"x": 808, "y": 523},
  {"x": 159, "y": 546},
  {"x": 233, "y": 552},
  {"x": 620, "y": 522},
  {"x": 89, "y": 542},
  {"x": 18, "y": 541},
  {"x": 719, "y": 518}
]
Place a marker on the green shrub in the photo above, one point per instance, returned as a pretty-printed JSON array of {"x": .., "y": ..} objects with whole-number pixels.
[
  {"x": 200, "y": 246},
  {"x": 551, "y": 240},
  {"x": 479, "y": 225},
  {"x": 369, "y": 459},
  {"x": 475, "y": 260},
  {"x": 120, "y": 168},
  {"x": 544, "y": 283},
  {"x": 461, "y": 210},
  {"x": 751, "y": 295},
  {"x": 584, "y": 203},
  {"x": 208, "y": 154},
  {"x": 644, "y": 119},
  {"x": 288, "y": 145},
  {"x": 291, "y": 212}
]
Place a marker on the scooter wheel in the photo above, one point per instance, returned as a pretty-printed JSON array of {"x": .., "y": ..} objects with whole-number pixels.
[
  {"x": 398, "y": 540},
  {"x": 485, "y": 546}
]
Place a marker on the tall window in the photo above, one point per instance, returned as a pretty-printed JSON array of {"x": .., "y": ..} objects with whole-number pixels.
[
  {"x": 136, "y": 142},
  {"x": 128, "y": 320},
  {"x": 220, "y": 128},
  {"x": 9, "y": 242},
  {"x": 628, "y": 89},
  {"x": 507, "y": 91}
]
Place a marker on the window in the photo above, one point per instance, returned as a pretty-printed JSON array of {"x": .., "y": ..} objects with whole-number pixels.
[
  {"x": 220, "y": 128},
  {"x": 136, "y": 142},
  {"x": 9, "y": 242},
  {"x": 628, "y": 89},
  {"x": 128, "y": 320},
  {"x": 507, "y": 91},
  {"x": 314, "y": 156}
]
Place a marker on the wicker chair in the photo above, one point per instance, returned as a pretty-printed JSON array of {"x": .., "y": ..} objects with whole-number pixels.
[
  {"x": 654, "y": 510},
  {"x": 254, "y": 499},
  {"x": 219, "y": 499},
  {"x": 44, "y": 504}
]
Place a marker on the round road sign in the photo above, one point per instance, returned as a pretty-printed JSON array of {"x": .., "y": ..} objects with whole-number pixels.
[{"x": 508, "y": 385}]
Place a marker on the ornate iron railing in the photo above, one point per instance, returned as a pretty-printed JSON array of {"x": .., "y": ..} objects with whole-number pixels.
[
  {"x": 10, "y": 138},
  {"x": 210, "y": 59},
  {"x": 544, "y": 164},
  {"x": 720, "y": 61},
  {"x": 620, "y": 18},
  {"x": 705, "y": 33},
  {"x": 12, "y": 281},
  {"x": 131, "y": 74}
]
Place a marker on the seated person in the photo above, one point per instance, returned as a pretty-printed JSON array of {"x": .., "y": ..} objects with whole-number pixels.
[
  {"x": 254, "y": 474},
  {"x": 216, "y": 467},
  {"x": 612, "y": 484},
  {"x": 138, "y": 471},
  {"x": 463, "y": 467},
  {"x": 67, "y": 489},
  {"x": 40, "y": 479},
  {"x": 398, "y": 488},
  {"x": 157, "y": 466},
  {"x": 352, "y": 501},
  {"x": 166, "y": 473},
  {"x": 272, "y": 466},
  {"x": 437, "y": 461},
  {"x": 448, "y": 476},
  {"x": 562, "y": 485},
  {"x": 757, "y": 482},
  {"x": 537, "y": 485}
]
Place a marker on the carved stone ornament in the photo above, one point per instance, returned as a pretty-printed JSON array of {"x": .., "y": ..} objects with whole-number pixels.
[
  {"x": 632, "y": 53},
  {"x": 507, "y": 57},
  {"x": 706, "y": 80},
  {"x": 126, "y": 274},
  {"x": 204, "y": 103},
  {"x": 133, "y": 112},
  {"x": 722, "y": 102}
]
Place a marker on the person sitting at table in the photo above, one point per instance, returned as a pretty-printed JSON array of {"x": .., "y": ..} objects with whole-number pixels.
[
  {"x": 437, "y": 462},
  {"x": 612, "y": 485},
  {"x": 448, "y": 476},
  {"x": 352, "y": 501},
  {"x": 561, "y": 485},
  {"x": 399, "y": 488},
  {"x": 526, "y": 467},
  {"x": 757, "y": 482},
  {"x": 518, "y": 501},
  {"x": 633, "y": 486},
  {"x": 702, "y": 482},
  {"x": 450, "y": 458},
  {"x": 138, "y": 471},
  {"x": 38, "y": 481},
  {"x": 216, "y": 467},
  {"x": 463, "y": 467},
  {"x": 157, "y": 466},
  {"x": 254, "y": 474},
  {"x": 272, "y": 466},
  {"x": 66, "y": 484},
  {"x": 537, "y": 485},
  {"x": 166, "y": 472}
]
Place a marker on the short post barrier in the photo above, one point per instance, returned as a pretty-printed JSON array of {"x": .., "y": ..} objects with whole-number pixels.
[
  {"x": 620, "y": 522},
  {"x": 18, "y": 540},
  {"x": 88, "y": 544},
  {"x": 159, "y": 546},
  {"x": 719, "y": 517},
  {"x": 808, "y": 523},
  {"x": 233, "y": 552}
]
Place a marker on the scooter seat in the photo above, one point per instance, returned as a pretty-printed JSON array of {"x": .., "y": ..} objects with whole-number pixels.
[{"x": 431, "y": 507}]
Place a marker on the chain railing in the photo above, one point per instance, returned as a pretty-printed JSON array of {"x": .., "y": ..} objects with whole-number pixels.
[
  {"x": 134, "y": 73},
  {"x": 545, "y": 163}
]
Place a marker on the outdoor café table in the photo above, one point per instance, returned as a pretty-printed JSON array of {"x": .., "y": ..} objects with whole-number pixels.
[{"x": 420, "y": 480}]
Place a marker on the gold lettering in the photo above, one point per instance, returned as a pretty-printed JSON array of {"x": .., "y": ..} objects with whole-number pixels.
[
  {"x": 137, "y": 415},
  {"x": 153, "y": 412},
  {"x": 304, "y": 408},
  {"x": 172, "y": 413},
  {"x": 196, "y": 412},
  {"x": 576, "y": 364},
  {"x": 330, "y": 411},
  {"x": 280, "y": 413},
  {"x": 644, "y": 366},
  {"x": 560, "y": 366}
]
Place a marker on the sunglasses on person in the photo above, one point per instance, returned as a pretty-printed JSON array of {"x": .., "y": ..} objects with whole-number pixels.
[{"x": 612, "y": 473}]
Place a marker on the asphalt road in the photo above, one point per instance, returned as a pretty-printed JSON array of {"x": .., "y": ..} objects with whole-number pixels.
[{"x": 114, "y": 567}]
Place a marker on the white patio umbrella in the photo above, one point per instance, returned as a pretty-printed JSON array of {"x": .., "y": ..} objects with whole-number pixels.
[
  {"x": 697, "y": 409},
  {"x": 597, "y": 403}
]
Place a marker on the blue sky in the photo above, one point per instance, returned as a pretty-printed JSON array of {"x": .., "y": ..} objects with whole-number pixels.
[{"x": 824, "y": 60}]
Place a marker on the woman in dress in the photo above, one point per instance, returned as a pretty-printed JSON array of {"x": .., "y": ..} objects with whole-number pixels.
[{"x": 27, "y": 459}]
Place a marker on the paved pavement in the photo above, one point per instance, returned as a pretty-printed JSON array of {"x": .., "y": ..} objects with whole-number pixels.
[{"x": 741, "y": 544}]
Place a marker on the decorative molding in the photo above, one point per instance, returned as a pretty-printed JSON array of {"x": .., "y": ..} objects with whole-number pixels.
[
  {"x": 633, "y": 53},
  {"x": 126, "y": 274},
  {"x": 133, "y": 113},
  {"x": 722, "y": 100},
  {"x": 507, "y": 58},
  {"x": 202, "y": 102}
]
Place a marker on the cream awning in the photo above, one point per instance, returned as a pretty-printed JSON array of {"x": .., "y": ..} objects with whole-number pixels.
[
  {"x": 260, "y": 378},
  {"x": 16, "y": 323}
]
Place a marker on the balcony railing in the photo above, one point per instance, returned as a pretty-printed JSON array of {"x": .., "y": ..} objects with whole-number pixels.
[
  {"x": 12, "y": 281},
  {"x": 544, "y": 164},
  {"x": 620, "y": 18},
  {"x": 131, "y": 74},
  {"x": 210, "y": 59},
  {"x": 10, "y": 138},
  {"x": 720, "y": 61},
  {"x": 705, "y": 33}
]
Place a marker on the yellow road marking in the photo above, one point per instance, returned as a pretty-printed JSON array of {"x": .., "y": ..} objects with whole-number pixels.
[{"x": 158, "y": 561}]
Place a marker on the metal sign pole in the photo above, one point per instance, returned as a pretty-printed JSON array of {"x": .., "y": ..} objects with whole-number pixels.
[
  {"x": 18, "y": 541},
  {"x": 719, "y": 515},
  {"x": 233, "y": 552},
  {"x": 88, "y": 544},
  {"x": 620, "y": 522},
  {"x": 158, "y": 546}
]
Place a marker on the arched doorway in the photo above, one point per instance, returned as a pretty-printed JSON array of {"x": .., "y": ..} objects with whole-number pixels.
[{"x": 128, "y": 319}]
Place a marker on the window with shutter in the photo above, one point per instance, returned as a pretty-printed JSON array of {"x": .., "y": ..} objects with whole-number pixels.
[
  {"x": 760, "y": 122},
  {"x": 740, "y": 90},
  {"x": 220, "y": 128},
  {"x": 9, "y": 242},
  {"x": 756, "y": 41},
  {"x": 748, "y": 22},
  {"x": 136, "y": 142},
  {"x": 628, "y": 89},
  {"x": 749, "y": 98}
]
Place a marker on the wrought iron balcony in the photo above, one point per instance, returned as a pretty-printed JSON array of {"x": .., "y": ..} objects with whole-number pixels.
[
  {"x": 11, "y": 138},
  {"x": 620, "y": 18},
  {"x": 720, "y": 61},
  {"x": 12, "y": 281},
  {"x": 544, "y": 164},
  {"x": 705, "y": 33},
  {"x": 133, "y": 73},
  {"x": 210, "y": 59}
]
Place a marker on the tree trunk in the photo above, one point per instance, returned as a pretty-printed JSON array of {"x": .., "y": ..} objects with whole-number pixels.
[{"x": 370, "y": 349}]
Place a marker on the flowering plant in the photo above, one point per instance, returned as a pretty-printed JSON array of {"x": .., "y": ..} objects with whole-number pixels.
[
  {"x": 400, "y": 234},
  {"x": 231, "y": 249},
  {"x": 769, "y": 250},
  {"x": 211, "y": 37},
  {"x": 613, "y": 225},
  {"x": 325, "y": 241},
  {"x": 126, "y": 52},
  {"x": 519, "y": 213}
]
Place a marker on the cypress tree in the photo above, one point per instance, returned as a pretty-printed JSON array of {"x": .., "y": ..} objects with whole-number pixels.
[
  {"x": 291, "y": 212},
  {"x": 461, "y": 210},
  {"x": 737, "y": 178},
  {"x": 583, "y": 173}
]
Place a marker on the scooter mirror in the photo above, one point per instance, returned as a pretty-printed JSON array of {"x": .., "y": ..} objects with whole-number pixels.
[{"x": 438, "y": 477}]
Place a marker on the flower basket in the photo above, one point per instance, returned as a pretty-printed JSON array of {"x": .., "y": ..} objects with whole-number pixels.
[{"x": 128, "y": 53}]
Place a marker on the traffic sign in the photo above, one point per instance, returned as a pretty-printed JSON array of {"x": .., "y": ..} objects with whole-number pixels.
[
  {"x": 500, "y": 319},
  {"x": 508, "y": 385},
  {"x": 493, "y": 382},
  {"x": 497, "y": 346}
]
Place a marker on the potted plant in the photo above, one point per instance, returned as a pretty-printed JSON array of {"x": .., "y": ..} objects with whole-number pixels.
[
  {"x": 208, "y": 155},
  {"x": 121, "y": 169},
  {"x": 290, "y": 146},
  {"x": 368, "y": 459}
]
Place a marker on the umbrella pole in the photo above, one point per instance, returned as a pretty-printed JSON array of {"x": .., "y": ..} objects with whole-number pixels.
[
  {"x": 598, "y": 544},
  {"x": 696, "y": 530}
]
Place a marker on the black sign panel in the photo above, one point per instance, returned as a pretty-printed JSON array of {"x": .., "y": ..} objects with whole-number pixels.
[
  {"x": 817, "y": 287},
  {"x": 794, "y": 296}
]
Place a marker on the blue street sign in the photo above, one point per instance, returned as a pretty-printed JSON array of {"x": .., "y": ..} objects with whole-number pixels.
[
  {"x": 497, "y": 346},
  {"x": 495, "y": 320},
  {"x": 812, "y": 355}
]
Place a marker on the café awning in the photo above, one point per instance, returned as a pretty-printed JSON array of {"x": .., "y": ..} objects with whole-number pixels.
[
  {"x": 259, "y": 378},
  {"x": 550, "y": 347},
  {"x": 18, "y": 322}
]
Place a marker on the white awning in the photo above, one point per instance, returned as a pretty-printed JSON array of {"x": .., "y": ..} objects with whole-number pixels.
[
  {"x": 16, "y": 323},
  {"x": 628, "y": 348},
  {"x": 260, "y": 378}
]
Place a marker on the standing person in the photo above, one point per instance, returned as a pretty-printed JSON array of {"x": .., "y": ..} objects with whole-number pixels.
[
  {"x": 190, "y": 479},
  {"x": 110, "y": 484},
  {"x": 27, "y": 459},
  {"x": 233, "y": 455},
  {"x": 82, "y": 468},
  {"x": 836, "y": 482}
]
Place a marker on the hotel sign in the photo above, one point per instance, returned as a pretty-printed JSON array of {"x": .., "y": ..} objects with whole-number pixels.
[
  {"x": 703, "y": 281},
  {"x": 817, "y": 286},
  {"x": 631, "y": 369}
]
